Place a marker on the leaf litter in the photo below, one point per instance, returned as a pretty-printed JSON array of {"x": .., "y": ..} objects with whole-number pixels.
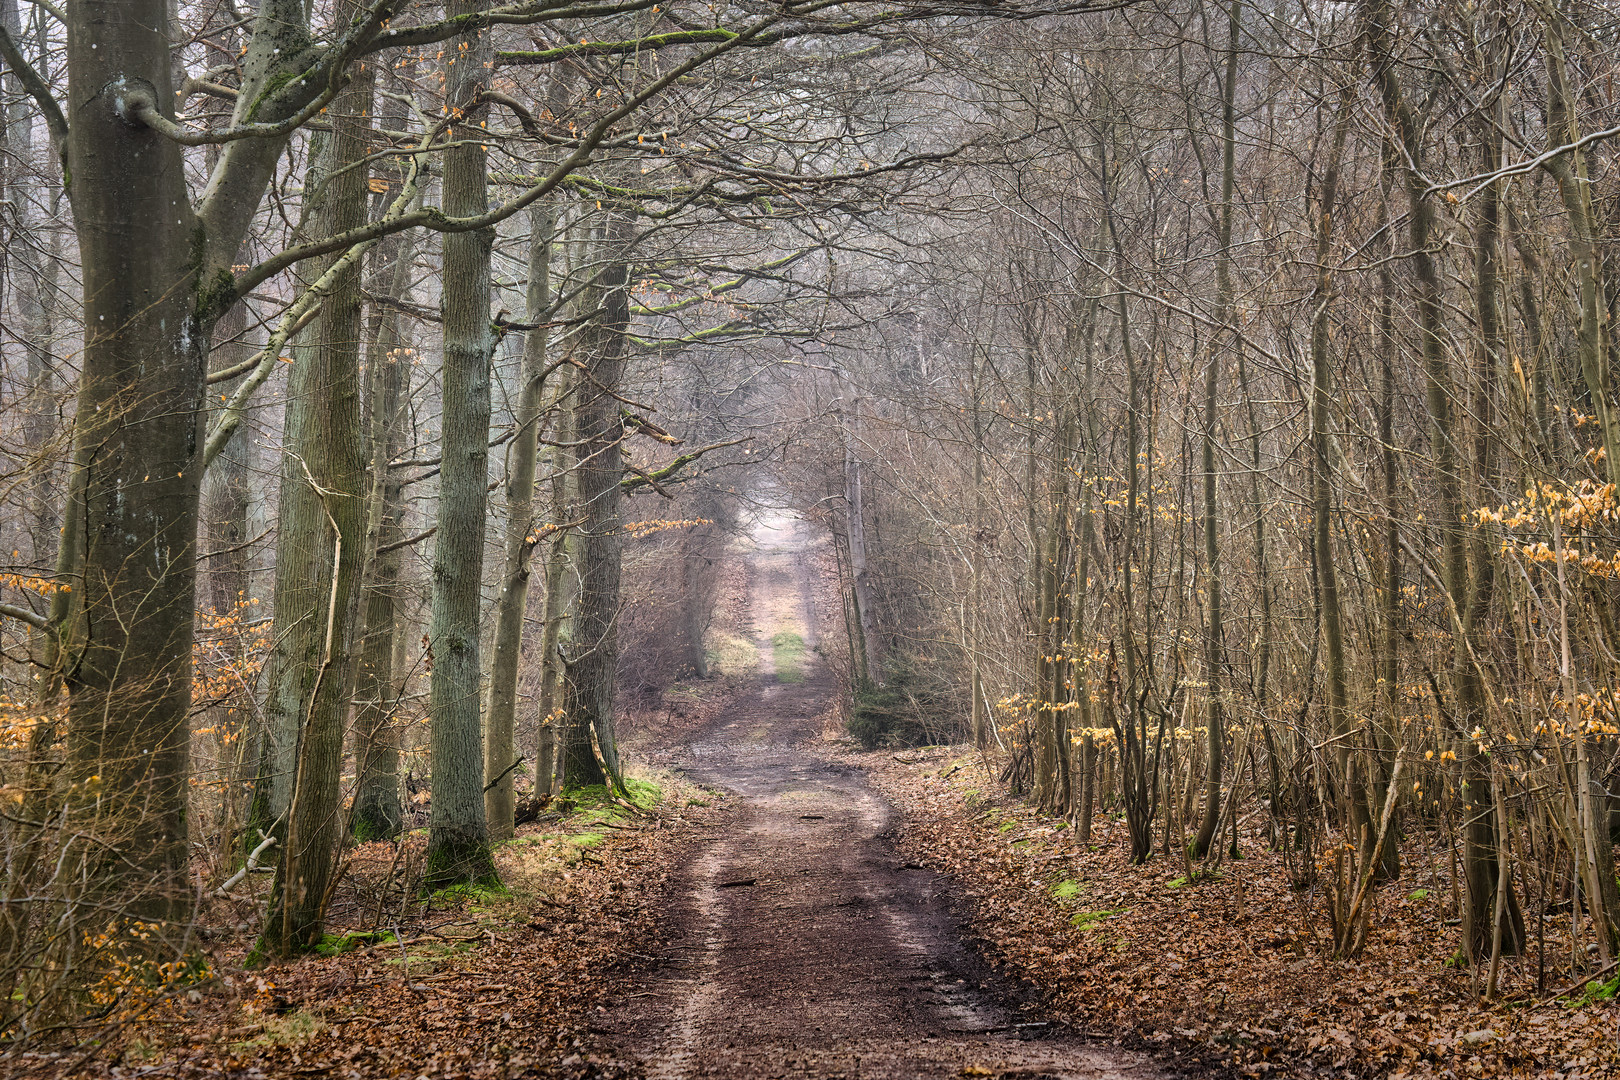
[
  {"x": 477, "y": 986},
  {"x": 1233, "y": 972}
]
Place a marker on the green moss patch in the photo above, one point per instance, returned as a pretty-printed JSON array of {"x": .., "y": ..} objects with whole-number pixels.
[
  {"x": 597, "y": 804},
  {"x": 482, "y": 892},
  {"x": 1598, "y": 991},
  {"x": 1067, "y": 889},
  {"x": 350, "y": 940},
  {"x": 1090, "y": 920}
]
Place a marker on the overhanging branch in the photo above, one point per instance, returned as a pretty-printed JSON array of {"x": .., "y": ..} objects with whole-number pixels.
[{"x": 671, "y": 471}]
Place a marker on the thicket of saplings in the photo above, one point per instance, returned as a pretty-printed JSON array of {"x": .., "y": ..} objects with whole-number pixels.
[
  {"x": 1505, "y": 824},
  {"x": 1299, "y": 514}
]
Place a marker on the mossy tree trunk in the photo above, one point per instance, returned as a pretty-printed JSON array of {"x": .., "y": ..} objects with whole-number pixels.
[{"x": 458, "y": 836}]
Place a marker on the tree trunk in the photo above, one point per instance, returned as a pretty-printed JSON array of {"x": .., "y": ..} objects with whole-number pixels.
[
  {"x": 319, "y": 550},
  {"x": 140, "y": 405},
  {"x": 458, "y": 839},
  {"x": 1387, "y": 663},
  {"x": 1349, "y": 760},
  {"x": 559, "y": 599},
  {"x": 1574, "y": 187},
  {"x": 1050, "y": 760},
  {"x": 1138, "y": 781},
  {"x": 376, "y": 813},
  {"x": 499, "y": 745},
  {"x": 979, "y": 720},
  {"x": 599, "y": 432},
  {"x": 870, "y": 658},
  {"x": 32, "y": 263},
  {"x": 1480, "y": 865},
  {"x": 1215, "y": 634}
]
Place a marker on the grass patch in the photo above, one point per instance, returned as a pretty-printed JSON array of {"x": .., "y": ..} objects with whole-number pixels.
[
  {"x": 684, "y": 691},
  {"x": 292, "y": 1029},
  {"x": 731, "y": 654},
  {"x": 787, "y": 650}
]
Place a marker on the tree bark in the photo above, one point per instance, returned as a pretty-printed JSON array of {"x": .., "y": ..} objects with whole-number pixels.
[
  {"x": 1593, "y": 347},
  {"x": 559, "y": 600},
  {"x": 599, "y": 431},
  {"x": 1387, "y": 660},
  {"x": 1350, "y": 762},
  {"x": 376, "y": 814},
  {"x": 1480, "y": 865},
  {"x": 870, "y": 657},
  {"x": 320, "y": 546},
  {"x": 1575, "y": 189},
  {"x": 500, "y": 748},
  {"x": 1215, "y": 633},
  {"x": 458, "y": 837},
  {"x": 140, "y": 405}
]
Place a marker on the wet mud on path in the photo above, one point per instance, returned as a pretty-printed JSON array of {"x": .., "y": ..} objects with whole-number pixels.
[{"x": 799, "y": 943}]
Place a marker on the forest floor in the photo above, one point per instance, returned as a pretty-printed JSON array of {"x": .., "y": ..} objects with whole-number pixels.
[
  {"x": 1233, "y": 971},
  {"x": 790, "y": 907},
  {"x": 753, "y": 919}
]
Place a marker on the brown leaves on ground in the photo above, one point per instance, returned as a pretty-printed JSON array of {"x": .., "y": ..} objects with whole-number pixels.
[
  {"x": 487, "y": 987},
  {"x": 1235, "y": 971}
]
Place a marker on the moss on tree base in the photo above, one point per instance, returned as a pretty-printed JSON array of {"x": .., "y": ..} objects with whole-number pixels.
[
  {"x": 373, "y": 821},
  {"x": 460, "y": 861}
]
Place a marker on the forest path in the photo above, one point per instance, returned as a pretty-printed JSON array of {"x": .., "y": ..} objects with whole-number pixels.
[{"x": 799, "y": 942}]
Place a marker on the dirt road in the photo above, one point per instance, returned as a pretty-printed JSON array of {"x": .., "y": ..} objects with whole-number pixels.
[{"x": 801, "y": 944}]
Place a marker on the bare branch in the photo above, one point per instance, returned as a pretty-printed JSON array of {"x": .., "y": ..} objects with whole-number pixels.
[
  {"x": 22, "y": 614},
  {"x": 37, "y": 89}
]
